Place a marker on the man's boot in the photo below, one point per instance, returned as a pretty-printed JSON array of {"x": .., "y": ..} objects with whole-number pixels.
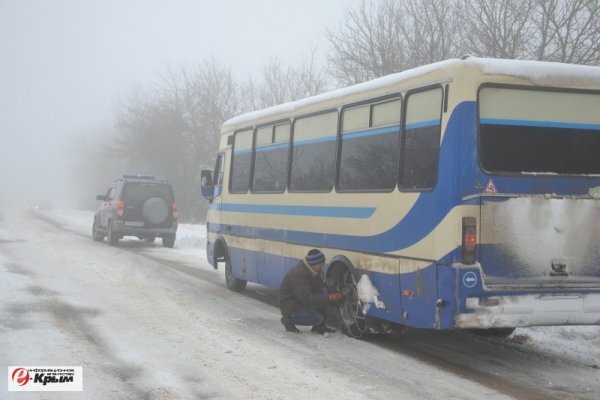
[
  {"x": 289, "y": 325},
  {"x": 321, "y": 329}
]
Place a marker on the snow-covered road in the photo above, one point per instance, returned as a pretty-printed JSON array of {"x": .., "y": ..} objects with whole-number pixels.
[{"x": 147, "y": 322}]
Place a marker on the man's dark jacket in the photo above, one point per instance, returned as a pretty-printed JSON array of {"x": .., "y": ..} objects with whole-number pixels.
[{"x": 301, "y": 287}]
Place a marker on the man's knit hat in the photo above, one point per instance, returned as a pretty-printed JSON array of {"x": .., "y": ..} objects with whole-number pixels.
[{"x": 315, "y": 257}]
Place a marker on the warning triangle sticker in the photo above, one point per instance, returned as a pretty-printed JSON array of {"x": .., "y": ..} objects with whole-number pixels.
[{"x": 490, "y": 187}]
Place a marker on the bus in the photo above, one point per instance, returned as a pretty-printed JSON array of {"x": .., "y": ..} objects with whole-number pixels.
[{"x": 463, "y": 194}]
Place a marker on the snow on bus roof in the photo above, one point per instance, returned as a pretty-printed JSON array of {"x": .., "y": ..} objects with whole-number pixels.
[{"x": 538, "y": 72}]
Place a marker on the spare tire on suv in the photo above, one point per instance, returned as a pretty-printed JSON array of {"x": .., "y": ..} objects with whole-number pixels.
[
  {"x": 137, "y": 205},
  {"x": 155, "y": 210}
]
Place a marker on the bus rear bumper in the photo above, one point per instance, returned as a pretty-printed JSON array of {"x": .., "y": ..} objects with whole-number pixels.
[{"x": 530, "y": 310}]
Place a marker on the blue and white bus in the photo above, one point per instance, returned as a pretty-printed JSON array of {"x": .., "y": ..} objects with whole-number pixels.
[{"x": 462, "y": 194}]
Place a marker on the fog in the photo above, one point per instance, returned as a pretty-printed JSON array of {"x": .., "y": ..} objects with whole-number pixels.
[{"x": 66, "y": 63}]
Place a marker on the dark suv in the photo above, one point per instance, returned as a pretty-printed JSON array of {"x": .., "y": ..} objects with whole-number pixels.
[{"x": 137, "y": 205}]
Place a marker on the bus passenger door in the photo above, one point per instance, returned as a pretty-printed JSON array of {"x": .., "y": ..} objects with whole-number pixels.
[
  {"x": 213, "y": 220},
  {"x": 218, "y": 175},
  {"x": 218, "y": 188}
]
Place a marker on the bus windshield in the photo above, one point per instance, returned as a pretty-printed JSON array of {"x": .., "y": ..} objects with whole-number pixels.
[{"x": 533, "y": 131}]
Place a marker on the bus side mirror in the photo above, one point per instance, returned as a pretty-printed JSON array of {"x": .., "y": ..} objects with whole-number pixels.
[{"x": 206, "y": 183}]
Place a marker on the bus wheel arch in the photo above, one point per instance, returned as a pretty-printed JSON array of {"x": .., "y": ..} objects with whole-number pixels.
[
  {"x": 222, "y": 254},
  {"x": 220, "y": 251},
  {"x": 336, "y": 269}
]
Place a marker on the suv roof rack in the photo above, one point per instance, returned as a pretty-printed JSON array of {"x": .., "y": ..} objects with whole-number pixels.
[{"x": 140, "y": 177}]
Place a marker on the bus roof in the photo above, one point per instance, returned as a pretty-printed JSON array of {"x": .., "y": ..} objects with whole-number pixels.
[{"x": 537, "y": 72}]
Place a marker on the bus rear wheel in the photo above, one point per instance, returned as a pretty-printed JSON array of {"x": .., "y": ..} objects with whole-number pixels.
[{"x": 233, "y": 283}]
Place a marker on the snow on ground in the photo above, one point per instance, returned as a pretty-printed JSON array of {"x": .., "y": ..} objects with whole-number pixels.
[
  {"x": 581, "y": 343},
  {"x": 143, "y": 328},
  {"x": 147, "y": 322}
]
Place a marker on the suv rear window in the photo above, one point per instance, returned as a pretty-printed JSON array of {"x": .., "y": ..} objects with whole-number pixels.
[
  {"x": 539, "y": 131},
  {"x": 142, "y": 191}
]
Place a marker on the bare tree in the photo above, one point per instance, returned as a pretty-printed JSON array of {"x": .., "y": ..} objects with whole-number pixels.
[
  {"x": 377, "y": 39},
  {"x": 497, "y": 28},
  {"x": 311, "y": 77},
  {"x": 369, "y": 44},
  {"x": 431, "y": 30},
  {"x": 174, "y": 131},
  {"x": 567, "y": 31},
  {"x": 392, "y": 35},
  {"x": 278, "y": 84},
  {"x": 282, "y": 84}
]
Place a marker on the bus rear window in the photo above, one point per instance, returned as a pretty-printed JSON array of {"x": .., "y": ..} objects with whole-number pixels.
[{"x": 523, "y": 131}]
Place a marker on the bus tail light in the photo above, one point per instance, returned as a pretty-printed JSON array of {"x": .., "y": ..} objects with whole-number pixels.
[
  {"x": 469, "y": 240},
  {"x": 120, "y": 206},
  {"x": 175, "y": 210}
]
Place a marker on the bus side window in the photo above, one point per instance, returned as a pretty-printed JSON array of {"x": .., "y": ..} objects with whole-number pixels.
[
  {"x": 421, "y": 141},
  {"x": 241, "y": 162},
  {"x": 271, "y": 147},
  {"x": 369, "y": 147},
  {"x": 313, "y": 153}
]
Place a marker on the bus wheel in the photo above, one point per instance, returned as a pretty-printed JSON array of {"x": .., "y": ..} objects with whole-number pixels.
[
  {"x": 233, "y": 283},
  {"x": 350, "y": 310}
]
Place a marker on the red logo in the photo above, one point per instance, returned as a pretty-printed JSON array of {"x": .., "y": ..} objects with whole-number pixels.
[{"x": 20, "y": 376}]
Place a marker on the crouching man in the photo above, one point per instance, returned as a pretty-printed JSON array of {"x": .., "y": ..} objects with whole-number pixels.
[{"x": 303, "y": 297}]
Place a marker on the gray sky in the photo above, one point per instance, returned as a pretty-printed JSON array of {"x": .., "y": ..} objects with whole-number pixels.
[{"x": 65, "y": 63}]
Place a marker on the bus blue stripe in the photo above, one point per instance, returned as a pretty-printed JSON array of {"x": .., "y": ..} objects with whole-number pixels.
[
  {"x": 305, "y": 211},
  {"x": 371, "y": 132},
  {"x": 424, "y": 124},
  {"x": 330, "y": 138},
  {"x": 539, "y": 124},
  {"x": 351, "y": 135},
  {"x": 270, "y": 147}
]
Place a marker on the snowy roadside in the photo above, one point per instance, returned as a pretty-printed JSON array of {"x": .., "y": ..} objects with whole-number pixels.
[
  {"x": 190, "y": 242},
  {"x": 580, "y": 344},
  {"x": 141, "y": 329},
  {"x": 148, "y": 322}
]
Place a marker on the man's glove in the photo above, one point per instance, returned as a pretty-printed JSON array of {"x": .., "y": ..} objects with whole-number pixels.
[{"x": 336, "y": 297}]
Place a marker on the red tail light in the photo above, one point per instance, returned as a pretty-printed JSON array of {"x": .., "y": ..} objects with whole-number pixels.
[
  {"x": 469, "y": 239},
  {"x": 175, "y": 211},
  {"x": 120, "y": 206}
]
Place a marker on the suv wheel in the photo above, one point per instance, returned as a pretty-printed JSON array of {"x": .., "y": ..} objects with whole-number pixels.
[
  {"x": 168, "y": 241},
  {"x": 96, "y": 235},
  {"x": 113, "y": 239}
]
